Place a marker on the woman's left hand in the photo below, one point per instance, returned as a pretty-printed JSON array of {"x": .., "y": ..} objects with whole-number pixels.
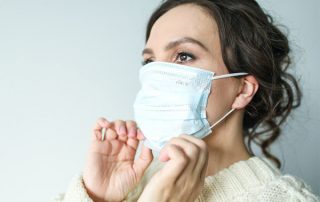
[{"x": 182, "y": 177}]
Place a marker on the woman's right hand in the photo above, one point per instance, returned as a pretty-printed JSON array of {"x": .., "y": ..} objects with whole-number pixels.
[{"x": 111, "y": 171}]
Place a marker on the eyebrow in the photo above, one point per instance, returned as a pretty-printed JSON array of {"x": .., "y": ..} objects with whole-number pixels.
[{"x": 175, "y": 43}]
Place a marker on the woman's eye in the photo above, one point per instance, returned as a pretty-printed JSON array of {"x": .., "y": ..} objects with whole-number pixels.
[
  {"x": 146, "y": 61},
  {"x": 184, "y": 57}
]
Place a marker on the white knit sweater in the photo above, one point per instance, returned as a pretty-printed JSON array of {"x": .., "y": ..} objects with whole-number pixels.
[{"x": 253, "y": 180}]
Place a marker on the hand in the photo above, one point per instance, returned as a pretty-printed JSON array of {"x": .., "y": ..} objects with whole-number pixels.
[
  {"x": 182, "y": 177},
  {"x": 111, "y": 171}
]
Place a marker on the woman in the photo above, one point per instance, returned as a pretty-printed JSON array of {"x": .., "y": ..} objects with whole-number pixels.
[{"x": 186, "y": 41}]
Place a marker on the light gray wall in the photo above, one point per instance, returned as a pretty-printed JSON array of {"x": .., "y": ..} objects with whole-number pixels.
[{"x": 64, "y": 63}]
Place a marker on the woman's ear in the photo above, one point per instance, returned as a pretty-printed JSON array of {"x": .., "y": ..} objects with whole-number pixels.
[{"x": 249, "y": 88}]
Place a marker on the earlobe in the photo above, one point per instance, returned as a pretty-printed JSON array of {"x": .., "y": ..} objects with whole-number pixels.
[{"x": 249, "y": 89}]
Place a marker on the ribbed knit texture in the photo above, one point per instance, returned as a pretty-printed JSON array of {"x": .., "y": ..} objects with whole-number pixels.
[{"x": 255, "y": 179}]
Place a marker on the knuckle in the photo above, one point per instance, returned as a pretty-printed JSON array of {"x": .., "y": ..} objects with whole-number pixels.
[
  {"x": 110, "y": 131},
  {"x": 172, "y": 142},
  {"x": 203, "y": 145},
  {"x": 194, "y": 149},
  {"x": 171, "y": 147},
  {"x": 183, "y": 160},
  {"x": 119, "y": 122},
  {"x": 101, "y": 118},
  {"x": 131, "y": 123},
  {"x": 98, "y": 124}
]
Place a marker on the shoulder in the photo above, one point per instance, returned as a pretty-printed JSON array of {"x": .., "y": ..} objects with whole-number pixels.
[
  {"x": 255, "y": 179},
  {"x": 286, "y": 188}
]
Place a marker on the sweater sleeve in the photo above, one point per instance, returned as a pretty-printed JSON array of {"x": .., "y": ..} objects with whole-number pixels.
[
  {"x": 75, "y": 192},
  {"x": 255, "y": 180},
  {"x": 288, "y": 188}
]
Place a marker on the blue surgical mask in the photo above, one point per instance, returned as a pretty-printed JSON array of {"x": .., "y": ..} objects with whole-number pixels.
[{"x": 173, "y": 101}]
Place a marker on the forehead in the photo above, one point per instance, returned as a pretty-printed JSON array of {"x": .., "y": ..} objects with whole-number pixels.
[{"x": 186, "y": 20}]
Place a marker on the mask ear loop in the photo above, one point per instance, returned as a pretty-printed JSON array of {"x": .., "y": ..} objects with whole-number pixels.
[
  {"x": 228, "y": 75},
  {"x": 222, "y": 77},
  {"x": 221, "y": 119}
]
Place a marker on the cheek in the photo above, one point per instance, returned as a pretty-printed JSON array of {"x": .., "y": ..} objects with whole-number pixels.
[{"x": 221, "y": 97}]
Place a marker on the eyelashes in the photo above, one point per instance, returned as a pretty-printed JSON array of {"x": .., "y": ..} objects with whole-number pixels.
[
  {"x": 146, "y": 61},
  {"x": 184, "y": 57},
  {"x": 180, "y": 58}
]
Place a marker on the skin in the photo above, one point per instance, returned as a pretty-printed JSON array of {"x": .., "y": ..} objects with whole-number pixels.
[{"x": 111, "y": 172}]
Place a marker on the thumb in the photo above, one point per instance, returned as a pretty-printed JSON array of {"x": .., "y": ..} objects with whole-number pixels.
[{"x": 143, "y": 161}]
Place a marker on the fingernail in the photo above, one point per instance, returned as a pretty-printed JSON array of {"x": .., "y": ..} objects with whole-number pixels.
[
  {"x": 122, "y": 130},
  {"x": 107, "y": 124},
  {"x": 131, "y": 132},
  {"x": 103, "y": 134}
]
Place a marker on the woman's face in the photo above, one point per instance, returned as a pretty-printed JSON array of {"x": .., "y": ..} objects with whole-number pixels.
[{"x": 188, "y": 35}]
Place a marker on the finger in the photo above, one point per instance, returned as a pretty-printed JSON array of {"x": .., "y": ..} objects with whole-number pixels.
[
  {"x": 203, "y": 155},
  {"x": 132, "y": 134},
  {"x": 190, "y": 149},
  {"x": 103, "y": 133},
  {"x": 133, "y": 143},
  {"x": 111, "y": 134},
  {"x": 131, "y": 128},
  {"x": 177, "y": 161},
  {"x": 123, "y": 138},
  {"x": 197, "y": 141},
  {"x": 202, "y": 145},
  {"x": 143, "y": 161},
  {"x": 140, "y": 135},
  {"x": 100, "y": 123},
  {"x": 204, "y": 170},
  {"x": 120, "y": 127}
]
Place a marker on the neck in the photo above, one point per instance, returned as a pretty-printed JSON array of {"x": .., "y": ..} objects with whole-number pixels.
[{"x": 226, "y": 144}]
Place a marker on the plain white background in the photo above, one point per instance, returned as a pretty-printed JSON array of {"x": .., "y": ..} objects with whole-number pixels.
[{"x": 65, "y": 63}]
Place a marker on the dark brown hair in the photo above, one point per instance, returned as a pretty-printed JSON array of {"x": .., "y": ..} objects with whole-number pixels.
[{"x": 251, "y": 42}]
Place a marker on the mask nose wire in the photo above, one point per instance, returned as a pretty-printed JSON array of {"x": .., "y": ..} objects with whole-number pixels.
[{"x": 221, "y": 119}]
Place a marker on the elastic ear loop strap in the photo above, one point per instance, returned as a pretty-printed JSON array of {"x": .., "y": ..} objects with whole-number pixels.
[
  {"x": 221, "y": 119},
  {"x": 229, "y": 75},
  {"x": 221, "y": 77}
]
